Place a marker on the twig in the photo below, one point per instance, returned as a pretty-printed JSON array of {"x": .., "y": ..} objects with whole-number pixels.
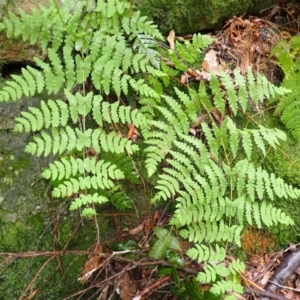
[
  {"x": 285, "y": 287},
  {"x": 114, "y": 256},
  {"x": 268, "y": 266},
  {"x": 287, "y": 267},
  {"x": 269, "y": 295},
  {"x": 152, "y": 287}
]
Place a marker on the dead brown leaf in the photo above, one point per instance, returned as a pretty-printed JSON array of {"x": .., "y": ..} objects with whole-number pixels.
[
  {"x": 171, "y": 38},
  {"x": 210, "y": 65},
  {"x": 217, "y": 114},
  {"x": 146, "y": 225},
  {"x": 137, "y": 229},
  {"x": 265, "y": 278},
  {"x": 92, "y": 263},
  {"x": 185, "y": 77},
  {"x": 156, "y": 217},
  {"x": 127, "y": 287}
]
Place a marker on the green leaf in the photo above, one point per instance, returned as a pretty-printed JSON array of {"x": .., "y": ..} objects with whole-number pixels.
[
  {"x": 163, "y": 271},
  {"x": 126, "y": 245},
  {"x": 159, "y": 249},
  {"x": 163, "y": 233}
]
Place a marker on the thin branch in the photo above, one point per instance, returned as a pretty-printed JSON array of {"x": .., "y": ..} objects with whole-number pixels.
[
  {"x": 269, "y": 295},
  {"x": 285, "y": 287}
]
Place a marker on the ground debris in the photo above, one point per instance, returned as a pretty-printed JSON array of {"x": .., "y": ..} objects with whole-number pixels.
[{"x": 277, "y": 274}]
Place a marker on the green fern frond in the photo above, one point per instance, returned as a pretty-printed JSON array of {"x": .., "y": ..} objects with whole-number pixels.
[
  {"x": 64, "y": 169},
  {"x": 51, "y": 114},
  {"x": 230, "y": 91},
  {"x": 84, "y": 200},
  {"x": 220, "y": 287},
  {"x": 203, "y": 253},
  {"x": 211, "y": 232},
  {"x": 212, "y": 272},
  {"x": 73, "y": 185},
  {"x": 120, "y": 200}
]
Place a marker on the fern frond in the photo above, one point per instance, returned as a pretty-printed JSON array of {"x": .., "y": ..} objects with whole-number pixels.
[
  {"x": 211, "y": 140},
  {"x": 211, "y": 272},
  {"x": 203, "y": 253},
  {"x": 73, "y": 185},
  {"x": 220, "y": 287},
  {"x": 83, "y": 200},
  {"x": 230, "y": 91}
]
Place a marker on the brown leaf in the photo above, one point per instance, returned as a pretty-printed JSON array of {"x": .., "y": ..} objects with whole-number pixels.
[
  {"x": 132, "y": 132},
  {"x": 217, "y": 114},
  {"x": 199, "y": 121},
  {"x": 185, "y": 77},
  {"x": 210, "y": 65},
  {"x": 211, "y": 61},
  {"x": 127, "y": 288},
  {"x": 91, "y": 264},
  {"x": 171, "y": 38},
  {"x": 148, "y": 225},
  {"x": 193, "y": 131},
  {"x": 193, "y": 73},
  {"x": 265, "y": 278},
  {"x": 180, "y": 38},
  {"x": 156, "y": 217},
  {"x": 137, "y": 229}
]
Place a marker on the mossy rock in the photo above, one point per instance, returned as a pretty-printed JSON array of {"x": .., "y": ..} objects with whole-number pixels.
[{"x": 193, "y": 15}]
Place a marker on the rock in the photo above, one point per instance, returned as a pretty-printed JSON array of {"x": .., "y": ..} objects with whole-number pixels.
[
  {"x": 15, "y": 50},
  {"x": 192, "y": 16}
]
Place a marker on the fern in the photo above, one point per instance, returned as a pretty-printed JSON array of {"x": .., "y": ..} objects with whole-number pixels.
[
  {"x": 216, "y": 187},
  {"x": 201, "y": 182},
  {"x": 287, "y": 108}
]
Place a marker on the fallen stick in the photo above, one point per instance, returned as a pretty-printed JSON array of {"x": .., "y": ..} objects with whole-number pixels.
[
  {"x": 249, "y": 291},
  {"x": 287, "y": 267}
]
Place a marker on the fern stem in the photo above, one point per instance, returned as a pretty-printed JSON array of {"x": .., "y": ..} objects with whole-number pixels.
[
  {"x": 226, "y": 155},
  {"x": 58, "y": 11}
]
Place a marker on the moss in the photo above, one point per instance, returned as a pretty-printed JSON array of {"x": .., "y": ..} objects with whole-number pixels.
[
  {"x": 20, "y": 237},
  {"x": 186, "y": 16}
]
